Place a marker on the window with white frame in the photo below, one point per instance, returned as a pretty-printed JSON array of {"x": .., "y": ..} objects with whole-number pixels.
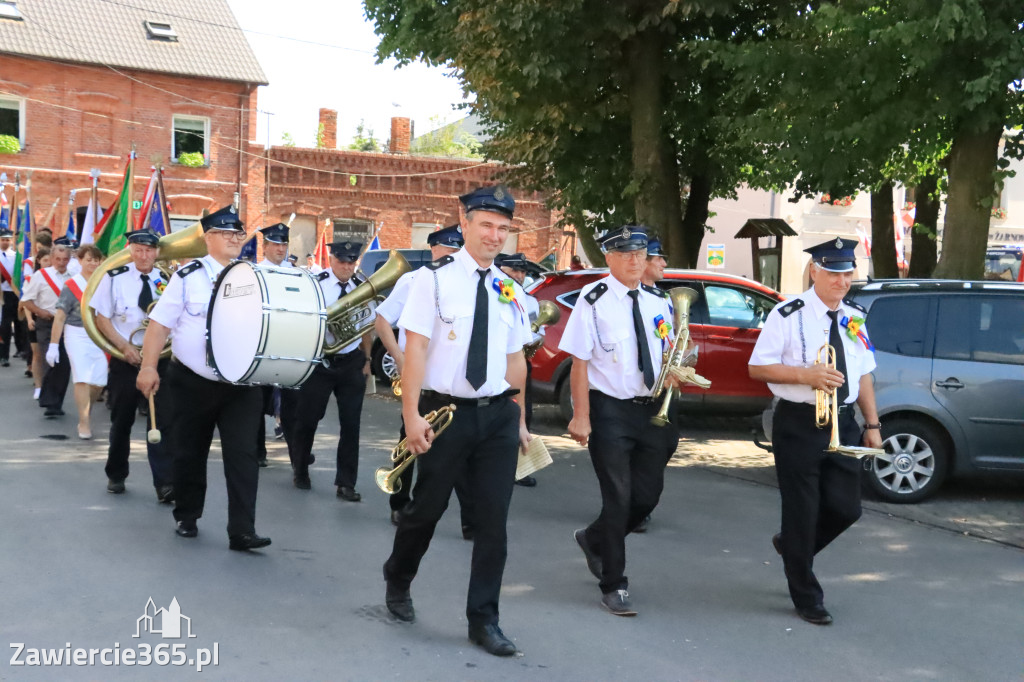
[
  {"x": 12, "y": 118},
  {"x": 191, "y": 134},
  {"x": 345, "y": 229}
]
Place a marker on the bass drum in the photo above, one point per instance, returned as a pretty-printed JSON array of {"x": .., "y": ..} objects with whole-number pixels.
[{"x": 266, "y": 325}]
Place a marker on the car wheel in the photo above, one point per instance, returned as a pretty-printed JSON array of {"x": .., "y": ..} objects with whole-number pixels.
[
  {"x": 565, "y": 400},
  {"x": 389, "y": 366},
  {"x": 915, "y": 463}
]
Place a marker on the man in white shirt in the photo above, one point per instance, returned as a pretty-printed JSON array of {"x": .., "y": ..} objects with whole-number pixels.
[
  {"x": 11, "y": 329},
  {"x": 820, "y": 490},
  {"x": 40, "y": 299},
  {"x": 201, "y": 402},
  {"x": 275, "y": 254}
]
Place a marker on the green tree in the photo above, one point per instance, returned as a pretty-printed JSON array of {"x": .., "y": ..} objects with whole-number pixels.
[
  {"x": 287, "y": 140},
  {"x": 363, "y": 140}
]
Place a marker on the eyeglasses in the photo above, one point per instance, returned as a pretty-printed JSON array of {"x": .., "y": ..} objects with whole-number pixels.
[
  {"x": 232, "y": 235},
  {"x": 639, "y": 254}
]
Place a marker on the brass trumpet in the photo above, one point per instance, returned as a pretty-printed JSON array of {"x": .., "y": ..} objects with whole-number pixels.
[
  {"x": 682, "y": 299},
  {"x": 547, "y": 315},
  {"x": 826, "y": 411},
  {"x": 388, "y": 479}
]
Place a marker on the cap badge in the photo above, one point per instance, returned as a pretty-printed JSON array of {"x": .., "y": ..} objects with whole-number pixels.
[
  {"x": 348, "y": 246},
  {"x": 499, "y": 195},
  {"x": 626, "y": 233},
  {"x": 839, "y": 242},
  {"x": 231, "y": 209}
]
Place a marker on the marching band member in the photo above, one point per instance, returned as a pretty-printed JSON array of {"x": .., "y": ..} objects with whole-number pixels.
[
  {"x": 616, "y": 336},
  {"x": 344, "y": 375},
  {"x": 442, "y": 243},
  {"x": 88, "y": 362},
  {"x": 121, "y": 303},
  {"x": 200, "y": 401},
  {"x": 464, "y": 339},
  {"x": 40, "y": 298},
  {"x": 275, "y": 253},
  {"x": 11, "y": 329},
  {"x": 514, "y": 265},
  {"x": 820, "y": 490}
]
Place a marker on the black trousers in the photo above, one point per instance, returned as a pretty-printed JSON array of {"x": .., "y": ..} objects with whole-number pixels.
[
  {"x": 344, "y": 378},
  {"x": 11, "y": 327},
  {"x": 400, "y": 500},
  {"x": 123, "y": 399},
  {"x": 266, "y": 408},
  {"x": 820, "y": 492},
  {"x": 481, "y": 443},
  {"x": 56, "y": 378},
  {"x": 200, "y": 406},
  {"x": 629, "y": 455}
]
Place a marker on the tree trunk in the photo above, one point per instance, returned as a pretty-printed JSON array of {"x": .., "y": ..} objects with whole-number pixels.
[
  {"x": 694, "y": 220},
  {"x": 883, "y": 240},
  {"x": 972, "y": 162},
  {"x": 655, "y": 170},
  {"x": 923, "y": 240}
]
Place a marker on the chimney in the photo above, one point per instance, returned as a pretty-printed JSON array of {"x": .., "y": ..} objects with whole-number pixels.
[
  {"x": 329, "y": 121},
  {"x": 401, "y": 135}
]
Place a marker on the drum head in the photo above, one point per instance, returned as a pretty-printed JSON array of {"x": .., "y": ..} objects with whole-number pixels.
[{"x": 235, "y": 322}]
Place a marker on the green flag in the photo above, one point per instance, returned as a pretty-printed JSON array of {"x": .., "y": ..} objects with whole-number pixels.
[{"x": 114, "y": 224}]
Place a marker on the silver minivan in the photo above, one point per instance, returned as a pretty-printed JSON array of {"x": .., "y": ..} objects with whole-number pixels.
[{"x": 949, "y": 382}]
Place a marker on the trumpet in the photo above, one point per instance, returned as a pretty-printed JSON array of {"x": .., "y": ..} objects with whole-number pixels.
[
  {"x": 826, "y": 411},
  {"x": 389, "y": 480},
  {"x": 547, "y": 315},
  {"x": 682, "y": 299}
]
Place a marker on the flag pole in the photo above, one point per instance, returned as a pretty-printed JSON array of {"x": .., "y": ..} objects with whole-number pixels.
[
  {"x": 131, "y": 184},
  {"x": 28, "y": 212},
  {"x": 162, "y": 195},
  {"x": 14, "y": 215}
]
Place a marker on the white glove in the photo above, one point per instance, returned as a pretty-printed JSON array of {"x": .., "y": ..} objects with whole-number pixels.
[{"x": 53, "y": 354}]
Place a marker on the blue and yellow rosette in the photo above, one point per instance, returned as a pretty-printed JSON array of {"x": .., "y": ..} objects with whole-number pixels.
[
  {"x": 663, "y": 328},
  {"x": 507, "y": 292},
  {"x": 854, "y": 330}
]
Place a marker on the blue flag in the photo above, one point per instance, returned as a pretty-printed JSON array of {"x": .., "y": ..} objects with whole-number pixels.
[
  {"x": 249, "y": 250},
  {"x": 70, "y": 234},
  {"x": 375, "y": 244},
  {"x": 5, "y": 219},
  {"x": 156, "y": 214}
]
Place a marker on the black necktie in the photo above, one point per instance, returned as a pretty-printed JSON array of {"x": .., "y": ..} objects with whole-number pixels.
[
  {"x": 836, "y": 341},
  {"x": 643, "y": 360},
  {"x": 343, "y": 292},
  {"x": 146, "y": 295},
  {"x": 476, "y": 363}
]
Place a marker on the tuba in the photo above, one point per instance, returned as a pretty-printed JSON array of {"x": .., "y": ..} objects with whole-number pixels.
[
  {"x": 826, "y": 411},
  {"x": 187, "y": 243},
  {"x": 351, "y": 316},
  {"x": 548, "y": 314},
  {"x": 389, "y": 480},
  {"x": 682, "y": 299}
]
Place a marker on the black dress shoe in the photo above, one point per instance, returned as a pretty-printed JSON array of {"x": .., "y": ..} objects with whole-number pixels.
[
  {"x": 642, "y": 526},
  {"x": 527, "y": 481},
  {"x": 53, "y": 412},
  {"x": 262, "y": 462},
  {"x": 491, "y": 639},
  {"x": 593, "y": 561},
  {"x": 396, "y": 516},
  {"x": 815, "y": 614},
  {"x": 302, "y": 482},
  {"x": 467, "y": 533},
  {"x": 115, "y": 487},
  {"x": 247, "y": 541},
  {"x": 618, "y": 603},
  {"x": 777, "y": 543},
  {"x": 399, "y": 603},
  {"x": 5, "y": 363},
  {"x": 347, "y": 493},
  {"x": 186, "y": 529},
  {"x": 165, "y": 493}
]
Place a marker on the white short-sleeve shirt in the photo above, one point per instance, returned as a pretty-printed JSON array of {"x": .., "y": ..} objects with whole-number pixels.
[
  {"x": 117, "y": 297},
  {"x": 183, "y": 307},
  {"x": 392, "y": 307},
  {"x": 603, "y": 334},
  {"x": 40, "y": 291},
  {"x": 792, "y": 334},
  {"x": 8, "y": 258},
  {"x": 441, "y": 306}
]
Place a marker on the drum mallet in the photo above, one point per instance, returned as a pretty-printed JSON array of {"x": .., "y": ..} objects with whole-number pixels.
[{"x": 154, "y": 433}]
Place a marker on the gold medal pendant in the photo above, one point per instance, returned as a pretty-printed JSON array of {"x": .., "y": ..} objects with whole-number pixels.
[
  {"x": 615, "y": 356},
  {"x": 451, "y": 335}
]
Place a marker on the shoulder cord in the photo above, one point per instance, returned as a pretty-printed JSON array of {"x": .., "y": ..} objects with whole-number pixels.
[
  {"x": 597, "y": 330},
  {"x": 803, "y": 340},
  {"x": 437, "y": 302}
]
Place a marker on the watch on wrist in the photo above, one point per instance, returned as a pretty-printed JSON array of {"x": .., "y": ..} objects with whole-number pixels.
[{"x": 873, "y": 426}]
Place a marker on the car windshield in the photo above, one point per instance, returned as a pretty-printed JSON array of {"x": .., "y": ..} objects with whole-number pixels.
[{"x": 1003, "y": 265}]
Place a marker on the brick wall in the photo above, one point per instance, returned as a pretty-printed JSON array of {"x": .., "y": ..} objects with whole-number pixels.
[{"x": 63, "y": 142}]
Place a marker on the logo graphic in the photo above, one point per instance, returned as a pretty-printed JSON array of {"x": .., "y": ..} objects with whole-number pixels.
[{"x": 164, "y": 622}]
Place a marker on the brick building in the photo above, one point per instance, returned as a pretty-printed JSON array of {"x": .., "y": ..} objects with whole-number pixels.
[
  {"x": 399, "y": 196},
  {"x": 81, "y": 81},
  {"x": 78, "y": 99}
]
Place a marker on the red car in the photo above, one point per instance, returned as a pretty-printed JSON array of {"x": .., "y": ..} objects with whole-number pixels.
[{"x": 724, "y": 322}]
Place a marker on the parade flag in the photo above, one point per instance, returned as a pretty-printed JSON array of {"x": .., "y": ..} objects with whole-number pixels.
[
  {"x": 375, "y": 244},
  {"x": 24, "y": 247},
  {"x": 147, "y": 200},
  {"x": 320, "y": 255},
  {"x": 109, "y": 233},
  {"x": 70, "y": 232},
  {"x": 897, "y": 225},
  {"x": 5, "y": 211},
  {"x": 93, "y": 215},
  {"x": 154, "y": 206},
  {"x": 865, "y": 240}
]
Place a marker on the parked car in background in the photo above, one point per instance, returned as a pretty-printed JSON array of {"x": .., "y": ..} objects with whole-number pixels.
[
  {"x": 725, "y": 322},
  {"x": 1004, "y": 263},
  {"x": 949, "y": 383}
]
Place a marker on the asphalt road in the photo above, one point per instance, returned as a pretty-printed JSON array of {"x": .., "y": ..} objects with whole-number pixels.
[{"x": 912, "y": 601}]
